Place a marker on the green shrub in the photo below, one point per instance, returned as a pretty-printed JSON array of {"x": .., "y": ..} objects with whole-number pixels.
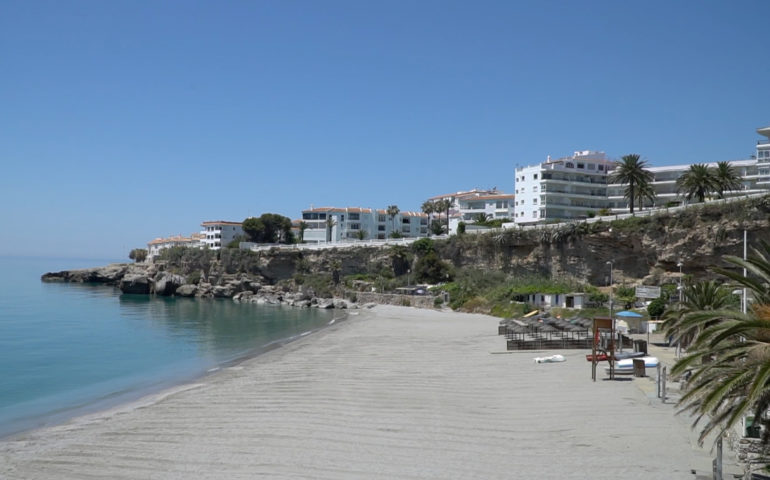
[{"x": 656, "y": 308}]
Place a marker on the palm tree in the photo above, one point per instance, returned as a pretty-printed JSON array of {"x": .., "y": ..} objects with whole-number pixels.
[
  {"x": 696, "y": 298},
  {"x": 302, "y": 226},
  {"x": 645, "y": 191},
  {"x": 633, "y": 171},
  {"x": 428, "y": 208},
  {"x": 445, "y": 205},
  {"x": 698, "y": 181},
  {"x": 392, "y": 211},
  {"x": 734, "y": 378},
  {"x": 726, "y": 178},
  {"x": 330, "y": 223}
]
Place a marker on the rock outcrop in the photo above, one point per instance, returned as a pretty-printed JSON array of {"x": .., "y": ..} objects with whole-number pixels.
[{"x": 135, "y": 284}]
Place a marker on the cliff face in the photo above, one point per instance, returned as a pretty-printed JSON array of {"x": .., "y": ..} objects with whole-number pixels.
[{"x": 641, "y": 249}]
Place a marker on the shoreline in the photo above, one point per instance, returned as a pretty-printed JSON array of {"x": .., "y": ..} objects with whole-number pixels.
[
  {"x": 141, "y": 393},
  {"x": 394, "y": 393}
]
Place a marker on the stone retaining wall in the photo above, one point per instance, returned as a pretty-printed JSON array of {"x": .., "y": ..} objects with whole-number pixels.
[{"x": 420, "y": 301}]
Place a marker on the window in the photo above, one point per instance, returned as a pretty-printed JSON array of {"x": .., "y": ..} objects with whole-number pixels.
[
  {"x": 581, "y": 165},
  {"x": 405, "y": 220},
  {"x": 534, "y": 176},
  {"x": 380, "y": 228},
  {"x": 534, "y": 189},
  {"x": 592, "y": 166},
  {"x": 355, "y": 226},
  {"x": 322, "y": 216},
  {"x": 534, "y": 201},
  {"x": 601, "y": 168},
  {"x": 380, "y": 218},
  {"x": 354, "y": 216},
  {"x": 534, "y": 213},
  {"x": 569, "y": 165}
]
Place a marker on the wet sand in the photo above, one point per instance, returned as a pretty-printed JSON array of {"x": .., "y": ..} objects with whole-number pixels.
[{"x": 391, "y": 393}]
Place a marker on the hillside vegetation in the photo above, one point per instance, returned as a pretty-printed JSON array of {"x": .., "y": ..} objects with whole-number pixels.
[{"x": 492, "y": 272}]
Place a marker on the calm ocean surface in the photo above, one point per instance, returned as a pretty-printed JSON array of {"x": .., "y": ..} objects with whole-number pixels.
[{"x": 68, "y": 349}]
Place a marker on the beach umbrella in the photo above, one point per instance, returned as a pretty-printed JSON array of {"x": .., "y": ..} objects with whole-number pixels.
[{"x": 629, "y": 314}]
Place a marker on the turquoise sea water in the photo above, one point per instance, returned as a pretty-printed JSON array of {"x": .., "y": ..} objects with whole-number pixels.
[{"x": 67, "y": 349}]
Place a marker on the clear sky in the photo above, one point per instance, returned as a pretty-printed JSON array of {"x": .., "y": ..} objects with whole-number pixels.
[{"x": 122, "y": 121}]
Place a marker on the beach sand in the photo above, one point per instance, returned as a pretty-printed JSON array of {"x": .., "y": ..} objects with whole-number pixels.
[{"x": 391, "y": 393}]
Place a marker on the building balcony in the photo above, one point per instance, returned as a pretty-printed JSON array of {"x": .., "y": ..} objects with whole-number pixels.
[{"x": 557, "y": 178}]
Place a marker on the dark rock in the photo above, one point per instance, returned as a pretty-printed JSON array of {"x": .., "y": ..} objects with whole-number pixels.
[
  {"x": 168, "y": 284},
  {"x": 135, "y": 284}
]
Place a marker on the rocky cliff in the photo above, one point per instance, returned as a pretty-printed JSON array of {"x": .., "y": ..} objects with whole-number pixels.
[{"x": 641, "y": 249}]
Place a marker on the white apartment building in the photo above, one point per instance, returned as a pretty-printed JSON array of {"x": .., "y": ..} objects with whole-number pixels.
[
  {"x": 333, "y": 224},
  {"x": 220, "y": 233},
  {"x": 565, "y": 188},
  {"x": 754, "y": 173},
  {"x": 154, "y": 247},
  {"x": 468, "y": 205}
]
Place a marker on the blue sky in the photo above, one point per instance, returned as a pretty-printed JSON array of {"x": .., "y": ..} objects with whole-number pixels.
[{"x": 126, "y": 120}]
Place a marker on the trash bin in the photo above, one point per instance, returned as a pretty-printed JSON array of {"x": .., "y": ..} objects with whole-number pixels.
[
  {"x": 640, "y": 346},
  {"x": 639, "y": 367}
]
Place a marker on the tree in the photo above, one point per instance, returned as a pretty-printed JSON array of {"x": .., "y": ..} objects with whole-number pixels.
[
  {"x": 444, "y": 206},
  {"x": 482, "y": 218},
  {"x": 730, "y": 357},
  {"x": 644, "y": 191},
  {"x": 461, "y": 228},
  {"x": 696, "y": 298},
  {"x": 429, "y": 208},
  {"x": 138, "y": 255},
  {"x": 436, "y": 227},
  {"x": 330, "y": 223},
  {"x": 392, "y": 211},
  {"x": 726, "y": 178},
  {"x": 268, "y": 228},
  {"x": 656, "y": 307},
  {"x": 302, "y": 226},
  {"x": 430, "y": 268},
  {"x": 697, "y": 181},
  {"x": 361, "y": 234},
  {"x": 633, "y": 171}
]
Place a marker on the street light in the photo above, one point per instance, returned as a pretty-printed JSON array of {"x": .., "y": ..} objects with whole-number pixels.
[
  {"x": 680, "y": 264},
  {"x": 609, "y": 262}
]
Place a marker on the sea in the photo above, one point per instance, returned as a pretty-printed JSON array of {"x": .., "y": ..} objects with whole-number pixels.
[{"x": 72, "y": 349}]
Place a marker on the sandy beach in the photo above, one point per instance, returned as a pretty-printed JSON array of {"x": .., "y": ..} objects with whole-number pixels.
[{"x": 391, "y": 393}]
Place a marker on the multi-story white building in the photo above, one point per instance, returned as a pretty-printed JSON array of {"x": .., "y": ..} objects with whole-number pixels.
[
  {"x": 154, "y": 247},
  {"x": 754, "y": 173},
  {"x": 333, "y": 224},
  {"x": 565, "y": 188},
  {"x": 219, "y": 233},
  {"x": 466, "y": 206}
]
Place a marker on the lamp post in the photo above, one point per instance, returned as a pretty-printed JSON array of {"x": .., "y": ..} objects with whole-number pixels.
[
  {"x": 609, "y": 262},
  {"x": 679, "y": 264}
]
